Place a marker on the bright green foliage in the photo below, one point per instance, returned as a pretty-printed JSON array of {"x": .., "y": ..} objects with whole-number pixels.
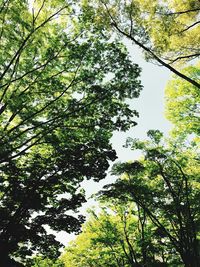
[
  {"x": 86, "y": 250},
  {"x": 103, "y": 240},
  {"x": 172, "y": 27},
  {"x": 167, "y": 31},
  {"x": 120, "y": 235},
  {"x": 169, "y": 27},
  {"x": 165, "y": 184},
  {"x": 182, "y": 104},
  {"x": 63, "y": 87}
]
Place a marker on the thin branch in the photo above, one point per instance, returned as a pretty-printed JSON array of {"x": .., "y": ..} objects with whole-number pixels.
[
  {"x": 22, "y": 151},
  {"x": 45, "y": 106},
  {"x": 40, "y": 9},
  {"x": 43, "y": 66},
  {"x": 175, "y": 199},
  {"x": 159, "y": 224},
  {"x": 183, "y": 57},
  {"x": 51, "y": 128},
  {"x": 3, "y": 5},
  {"x": 130, "y": 14},
  {"x": 12, "y": 74},
  {"x": 187, "y": 196},
  {"x": 125, "y": 252},
  {"x": 4, "y": 17},
  {"x": 178, "y": 12},
  {"x": 153, "y": 217},
  {"x": 12, "y": 117},
  {"x": 192, "y": 25},
  {"x": 131, "y": 250},
  {"x": 55, "y": 56}
]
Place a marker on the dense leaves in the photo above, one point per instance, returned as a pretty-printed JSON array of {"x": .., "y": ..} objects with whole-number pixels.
[
  {"x": 149, "y": 216},
  {"x": 65, "y": 77},
  {"x": 165, "y": 184},
  {"x": 182, "y": 104},
  {"x": 62, "y": 95},
  {"x": 44, "y": 262},
  {"x": 121, "y": 235}
]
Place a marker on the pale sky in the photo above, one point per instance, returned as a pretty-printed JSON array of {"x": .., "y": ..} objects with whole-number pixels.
[{"x": 150, "y": 106}]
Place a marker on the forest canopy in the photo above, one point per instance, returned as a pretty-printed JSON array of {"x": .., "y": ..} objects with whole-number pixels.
[
  {"x": 63, "y": 92},
  {"x": 65, "y": 78}
]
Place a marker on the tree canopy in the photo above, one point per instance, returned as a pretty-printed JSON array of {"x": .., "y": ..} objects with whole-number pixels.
[
  {"x": 166, "y": 185},
  {"x": 65, "y": 78},
  {"x": 182, "y": 104},
  {"x": 166, "y": 31},
  {"x": 63, "y": 93},
  {"x": 152, "y": 212},
  {"x": 119, "y": 235}
]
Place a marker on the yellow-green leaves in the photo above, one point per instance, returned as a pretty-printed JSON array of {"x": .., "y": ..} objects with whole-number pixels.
[{"x": 182, "y": 103}]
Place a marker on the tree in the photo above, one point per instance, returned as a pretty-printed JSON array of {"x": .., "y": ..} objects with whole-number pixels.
[
  {"x": 119, "y": 235},
  {"x": 104, "y": 241},
  {"x": 162, "y": 186},
  {"x": 166, "y": 31},
  {"x": 87, "y": 251},
  {"x": 62, "y": 95},
  {"x": 182, "y": 104},
  {"x": 165, "y": 184}
]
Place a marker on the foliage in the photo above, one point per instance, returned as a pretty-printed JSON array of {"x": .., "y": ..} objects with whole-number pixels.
[
  {"x": 171, "y": 27},
  {"x": 182, "y": 104},
  {"x": 41, "y": 262},
  {"x": 152, "y": 210},
  {"x": 86, "y": 250},
  {"x": 121, "y": 234},
  {"x": 167, "y": 31},
  {"x": 165, "y": 184},
  {"x": 103, "y": 241},
  {"x": 62, "y": 94},
  {"x": 64, "y": 79}
]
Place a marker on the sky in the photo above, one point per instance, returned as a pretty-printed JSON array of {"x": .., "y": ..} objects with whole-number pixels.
[{"x": 150, "y": 106}]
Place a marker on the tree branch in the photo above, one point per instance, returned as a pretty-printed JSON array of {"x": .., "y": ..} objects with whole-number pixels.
[
  {"x": 148, "y": 50},
  {"x": 192, "y": 25},
  {"x": 183, "y": 76},
  {"x": 183, "y": 57}
]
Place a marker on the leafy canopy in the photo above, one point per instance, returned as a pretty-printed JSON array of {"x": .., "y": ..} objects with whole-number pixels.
[
  {"x": 182, "y": 104},
  {"x": 63, "y": 91},
  {"x": 166, "y": 31},
  {"x": 165, "y": 184}
]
